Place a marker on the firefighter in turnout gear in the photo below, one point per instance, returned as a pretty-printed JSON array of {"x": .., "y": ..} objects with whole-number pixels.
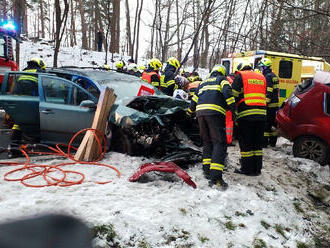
[
  {"x": 249, "y": 90},
  {"x": 151, "y": 75},
  {"x": 213, "y": 96},
  {"x": 272, "y": 97},
  {"x": 169, "y": 84},
  {"x": 26, "y": 84}
]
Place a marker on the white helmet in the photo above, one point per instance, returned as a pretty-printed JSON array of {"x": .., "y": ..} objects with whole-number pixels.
[
  {"x": 181, "y": 94},
  {"x": 132, "y": 67}
]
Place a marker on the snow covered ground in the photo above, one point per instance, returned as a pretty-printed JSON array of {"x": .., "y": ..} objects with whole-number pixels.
[
  {"x": 273, "y": 209},
  {"x": 287, "y": 206}
]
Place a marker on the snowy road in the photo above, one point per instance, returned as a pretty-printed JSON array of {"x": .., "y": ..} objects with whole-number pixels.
[{"x": 165, "y": 212}]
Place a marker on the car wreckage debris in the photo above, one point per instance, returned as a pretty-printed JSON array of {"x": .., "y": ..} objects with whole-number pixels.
[{"x": 163, "y": 167}]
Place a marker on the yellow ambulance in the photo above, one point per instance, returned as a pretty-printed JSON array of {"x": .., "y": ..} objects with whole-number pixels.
[{"x": 290, "y": 68}]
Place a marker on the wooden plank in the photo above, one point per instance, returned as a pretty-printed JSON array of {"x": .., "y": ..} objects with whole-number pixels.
[
  {"x": 100, "y": 121},
  {"x": 93, "y": 152},
  {"x": 88, "y": 149}
]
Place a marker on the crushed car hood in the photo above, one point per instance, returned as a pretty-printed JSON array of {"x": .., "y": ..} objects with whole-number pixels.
[{"x": 146, "y": 108}]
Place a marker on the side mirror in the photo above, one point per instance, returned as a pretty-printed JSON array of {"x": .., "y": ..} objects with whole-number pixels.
[{"x": 87, "y": 104}]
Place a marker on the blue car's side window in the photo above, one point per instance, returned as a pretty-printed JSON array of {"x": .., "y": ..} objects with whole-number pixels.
[
  {"x": 61, "y": 92},
  {"x": 24, "y": 84}
]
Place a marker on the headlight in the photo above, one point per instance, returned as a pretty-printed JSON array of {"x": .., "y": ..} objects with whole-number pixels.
[{"x": 294, "y": 101}]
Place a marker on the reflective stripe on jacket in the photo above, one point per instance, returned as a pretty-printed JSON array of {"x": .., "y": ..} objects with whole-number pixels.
[
  {"x": 254, "y": 88},
  {"x": 251, "y": 104},
  {"x": 33, "y": 78},
  {"x": 213, "y": 96}
]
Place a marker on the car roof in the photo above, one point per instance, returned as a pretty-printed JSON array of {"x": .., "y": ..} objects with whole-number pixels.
[
  {"x": 98, "y": 74},
  {"x": 322, "y": 77},
  {"x": 125, "y": 86}
]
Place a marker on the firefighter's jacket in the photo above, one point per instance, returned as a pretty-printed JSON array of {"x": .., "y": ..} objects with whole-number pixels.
[
  {"x": 249, "y": 90},
  {"x": 192, "y": 87},
  {"x": 31, "y": 77},
  {"x": 212, "y": 97},
  {"x": 169, "y": 84},
  {"x": 272, "y": 89},
  {"x": 152, "y": 77}
]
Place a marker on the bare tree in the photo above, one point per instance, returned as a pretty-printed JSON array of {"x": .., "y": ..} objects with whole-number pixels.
[
  {"x": 84, "y": 44},
  {"x": 61, "y": 19},
  {"x": 73, "y": 38},
  {"x": 128, "y": 30},
  {"x": 138, "y": 32},
  {"x": 115, "y": 27}
]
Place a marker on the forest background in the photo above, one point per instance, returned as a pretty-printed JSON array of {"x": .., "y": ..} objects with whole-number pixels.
[{"x": 208, "y": 29}]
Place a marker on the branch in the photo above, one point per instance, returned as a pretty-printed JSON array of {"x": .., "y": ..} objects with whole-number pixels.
[{"x": 205, "y": 13}]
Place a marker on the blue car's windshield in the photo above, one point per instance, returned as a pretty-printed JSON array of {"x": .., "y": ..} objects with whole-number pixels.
[{"x": 125, "y": 86}]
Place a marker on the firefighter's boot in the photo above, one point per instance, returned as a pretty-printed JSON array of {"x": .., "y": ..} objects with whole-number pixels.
[
  {"x": 216, "y": 179},
  {"x": 206, "y": 171}
]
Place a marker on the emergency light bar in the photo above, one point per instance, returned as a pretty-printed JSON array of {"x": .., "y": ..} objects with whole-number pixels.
[{"x": 8, "y": 27}]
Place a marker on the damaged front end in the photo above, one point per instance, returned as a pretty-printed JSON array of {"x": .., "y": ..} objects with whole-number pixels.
[{"x": 156, "y": 126}]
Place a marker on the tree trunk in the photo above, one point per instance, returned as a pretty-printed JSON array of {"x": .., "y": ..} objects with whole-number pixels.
[
  {"x": 138, "y": 33},
  {"x": 19, "y": 10},
  {"x": 73, "y": 40},
  {"x": 115, "y": 27},
  {"x": 135, "y": 25},
  {"x": 206, "y": 39},
  {"x": 179, "y": 51},
  {"x": 60, "y": 22},
  {"x": 167, "y": 31},
  {"x": 153, "y": 27},
  {"x": 196, "y": 12},
  {"x": 42, "y": 18},
  {"x": 128, "y": 30},
  {"x": 84, "y": 42}
]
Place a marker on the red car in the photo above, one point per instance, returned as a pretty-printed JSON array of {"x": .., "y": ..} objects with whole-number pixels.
[{"x": 305, "y": 119}]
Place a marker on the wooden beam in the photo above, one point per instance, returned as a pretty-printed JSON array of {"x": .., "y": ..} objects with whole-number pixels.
[{"x": 88, "y": 149}]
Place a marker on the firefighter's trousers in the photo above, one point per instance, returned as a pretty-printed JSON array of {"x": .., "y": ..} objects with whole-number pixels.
[
  {"x": 251, "y": 142},
  {"x": 213, "y": 135},
  {"x": 270, "y": 136}
]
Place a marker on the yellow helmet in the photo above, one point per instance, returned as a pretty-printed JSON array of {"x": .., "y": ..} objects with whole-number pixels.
[
  {"x": 39, "y": 62},
  {"x": 265, "y": 62},
  {"x": 155, "y": 64},
  {"x": 107, "y": 67},
  {"x": 119, "y": 64},
  {"x": 141, "y": 68},
  {"x": 243, "y": 66},
  {"x": 173, "y": 61},
  {"x": 219, "y": 68}
]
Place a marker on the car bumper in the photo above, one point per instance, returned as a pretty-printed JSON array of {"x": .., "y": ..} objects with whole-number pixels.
[{"x": 285, "y": 125}]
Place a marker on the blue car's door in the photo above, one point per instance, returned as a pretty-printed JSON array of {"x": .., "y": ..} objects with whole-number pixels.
[
  {"x": 61, "y": 113},
  {"x": 19, "y": 98}
]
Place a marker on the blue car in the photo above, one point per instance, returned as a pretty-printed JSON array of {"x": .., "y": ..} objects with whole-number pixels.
[{"x": 142, "y": 121}]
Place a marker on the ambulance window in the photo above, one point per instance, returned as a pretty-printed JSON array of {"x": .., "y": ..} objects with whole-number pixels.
[
  {"x": 256, "y": 62},
  {"x": 285, "y": 70},
  {"x": 226, "y": 64}
]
